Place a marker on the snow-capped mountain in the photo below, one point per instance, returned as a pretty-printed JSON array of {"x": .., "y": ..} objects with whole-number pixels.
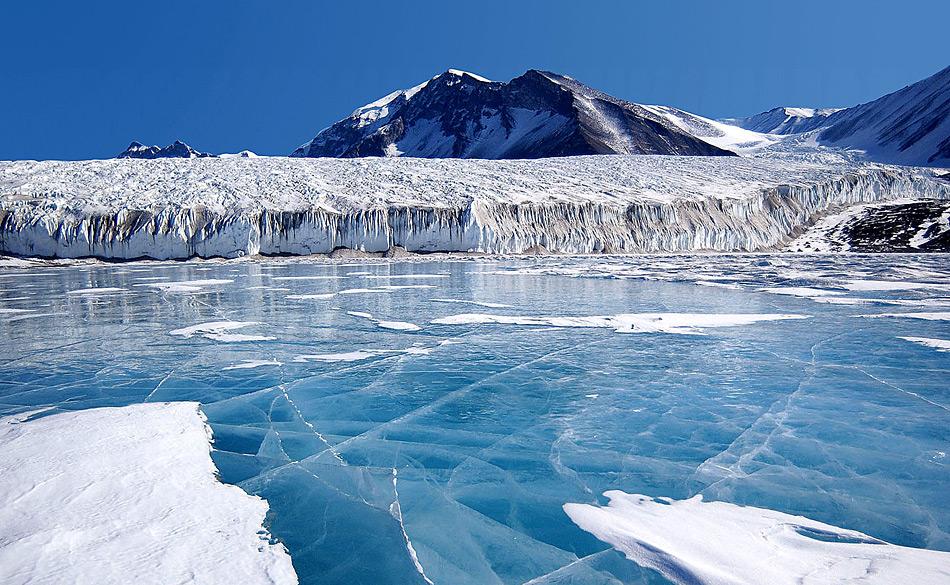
[
  {"x": 177, "y": 149},
  {"x": 783, "y": 120},
  {"x": 910, "y": 126},
  {"x": 539, "y": 114}
]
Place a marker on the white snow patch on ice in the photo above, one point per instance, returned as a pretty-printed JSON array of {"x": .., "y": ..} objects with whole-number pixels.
[
  {"x": 885, "y": 285},
  {"x": 186, "y": 286},
  {"x": 251, "y": 364},
  {"x": 476, "y": 303},
  {"x": 938, "y": 344},
  {"x": 105, "y": 290},
  {"x": 310, "y": 297},
  {"x": 221, "y": 331},
  {"x": 935, "y": 316},
  {"x": 717, "y": 543},
  {"x": 681, "y": 323},
  {"x": 394, "y": 325},
  {"x": 78, "y": 505},
  {"x": 800, "y": 291},
  {"x": 349, "y": 356}
]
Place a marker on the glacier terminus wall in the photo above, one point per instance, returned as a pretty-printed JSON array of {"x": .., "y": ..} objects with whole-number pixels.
[{"x": 183, "y": 208}]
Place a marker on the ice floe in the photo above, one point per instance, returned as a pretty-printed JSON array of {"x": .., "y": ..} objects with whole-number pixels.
[
  {"x": 322, "y": 277},
  {"x": 362, "y": 354},
  {"x": 78, "y": 505},
  {"x": 89, "y": 292},
  {"x": 221, "y": 331},
  {"x": 251, "y": 364},
  {"x": 938, "y": 344},
  {"x": 311, "y": 297},
  {"x": 692, "y": 542},
  {"x": 395, "y": 325},
  {"x": 682, "y": 323},
  {"x": 800, "y": 291},
  {"x": 487, "y": 305},
  {"x": 885, "y": 285},
  {"x": 187, "y": 286},
  {"x": 935, "y": 316}
]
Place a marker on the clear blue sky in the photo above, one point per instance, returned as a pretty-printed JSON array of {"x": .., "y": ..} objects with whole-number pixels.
[{"x": 83, "y": 79}]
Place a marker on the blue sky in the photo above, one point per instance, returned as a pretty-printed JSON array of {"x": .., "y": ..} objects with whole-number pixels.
[{"x": 83, "y": 79}]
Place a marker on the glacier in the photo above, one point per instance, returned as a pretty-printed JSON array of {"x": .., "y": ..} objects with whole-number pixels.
[
  {"x": 778, "y": 387},
  {"x": 209, "y": 207}
]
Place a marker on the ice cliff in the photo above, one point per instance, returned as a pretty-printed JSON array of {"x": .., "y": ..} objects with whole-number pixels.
[{"x": 594, "y": 204}]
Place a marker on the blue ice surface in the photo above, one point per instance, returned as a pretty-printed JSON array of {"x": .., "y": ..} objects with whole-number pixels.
[{"x": 488, "y": 434}]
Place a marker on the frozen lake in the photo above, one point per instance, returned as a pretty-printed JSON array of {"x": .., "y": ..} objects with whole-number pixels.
[{"x": 426, "y": 421}]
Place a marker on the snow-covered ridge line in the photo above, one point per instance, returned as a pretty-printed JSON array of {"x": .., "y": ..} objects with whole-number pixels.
[{"x": 167, "y": 209}]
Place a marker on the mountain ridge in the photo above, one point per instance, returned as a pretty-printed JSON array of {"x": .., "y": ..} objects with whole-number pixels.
[{"x": 539, "y": 114}]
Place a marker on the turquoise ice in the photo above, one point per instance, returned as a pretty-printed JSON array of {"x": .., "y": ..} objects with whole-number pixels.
[{"x": 426, "y": 421}]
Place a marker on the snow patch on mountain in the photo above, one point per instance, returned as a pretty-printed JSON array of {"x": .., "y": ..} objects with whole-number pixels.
[
  {"x": 539, "y": 114},
  {"x": 784, "y": 120}
]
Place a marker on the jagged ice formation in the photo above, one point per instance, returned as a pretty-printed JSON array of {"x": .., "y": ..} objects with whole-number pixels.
[{"x": 621, "y": 204}]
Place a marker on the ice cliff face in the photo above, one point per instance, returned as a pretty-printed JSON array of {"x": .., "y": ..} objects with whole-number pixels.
[
  {"x": 174, "y": 208},
  {"x": 538, "y": 114}
]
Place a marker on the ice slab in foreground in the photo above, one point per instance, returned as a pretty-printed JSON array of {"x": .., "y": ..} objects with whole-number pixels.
[
  {"x": 126, "y": 495},
  {"x": 717, "y": 543}
]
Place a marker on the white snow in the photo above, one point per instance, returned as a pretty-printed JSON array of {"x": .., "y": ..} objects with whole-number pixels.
[
  {"x": 221, "y": 331},
  {"x": 126, "y": 495},
  {"x": 251, "y": 364},
  {"x": 935, "y": 316},
  {"x": 460, "y": 73},
  {"x": 94, "y": 291},
  {"x": 938, "y": 344},
  {"x": 394, "y": 325},
  {"x": 170, "y": 208},
  {"x": 186, "y": 286},
  {"x": 692, "y": 542},
  {"x": 886, "y": 285},
  {"x": 485, "y": 304},
  {"x": 349, "y": 356},
  {"x": 729, "y": 137},
  {"x": 800, "y": 291},
  {"x": 681, "y": 323}
]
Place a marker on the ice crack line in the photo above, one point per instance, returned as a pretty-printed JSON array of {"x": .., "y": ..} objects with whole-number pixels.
[
  {"x": 319, "y": 435},
  {"x": 396, "y": 512}
]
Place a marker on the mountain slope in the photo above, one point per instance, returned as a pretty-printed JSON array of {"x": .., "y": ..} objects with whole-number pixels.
[
  {"x": 909, "y": 126},
  {"x": 783, "y": 120},
  {"x": 538, "y": 114},
  {"x": 729, "y": 137},
  {"x": 177, "y": 149}
]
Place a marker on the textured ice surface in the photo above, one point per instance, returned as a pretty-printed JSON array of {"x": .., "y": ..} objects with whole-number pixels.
[
  {"x": 493, "y": 427},
  {"x": 181, "y": 208},
  {"x": 126, "y": 495},
  {"x": 717, "y": 543}
]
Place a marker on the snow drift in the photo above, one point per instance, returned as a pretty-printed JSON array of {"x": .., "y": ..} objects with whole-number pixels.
[
  {"x": 181, "y": 208},
  {"x": 127, "y": 495},
  {"x": 692, "y": 542}
]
